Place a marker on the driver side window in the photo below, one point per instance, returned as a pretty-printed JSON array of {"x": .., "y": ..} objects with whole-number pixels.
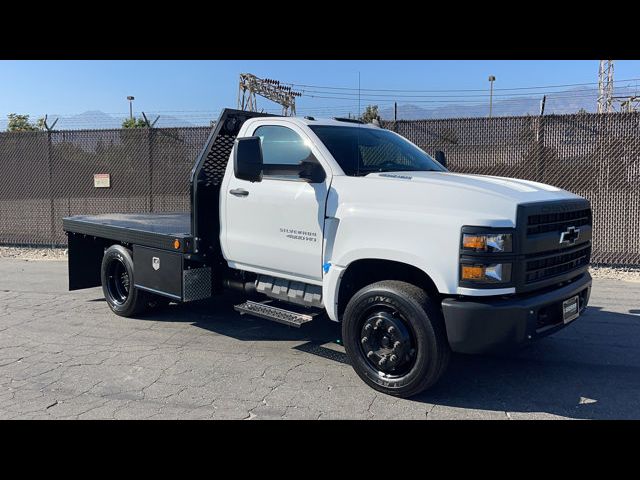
[{"x": 282, "y": 147}]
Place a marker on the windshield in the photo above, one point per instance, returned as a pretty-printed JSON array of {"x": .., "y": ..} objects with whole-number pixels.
[{"x": 360, "y": 151}]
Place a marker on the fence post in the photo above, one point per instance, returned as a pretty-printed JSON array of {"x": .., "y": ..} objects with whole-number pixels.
[
  {"x": 540, "y": 148},
  {"x": 51, "y": 190},
  {"x": 150, "y": 140}
]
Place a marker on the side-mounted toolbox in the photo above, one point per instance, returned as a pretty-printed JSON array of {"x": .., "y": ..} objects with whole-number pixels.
[{"x": 170, "y": 274}]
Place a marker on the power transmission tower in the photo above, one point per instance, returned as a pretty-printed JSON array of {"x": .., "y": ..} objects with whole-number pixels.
[
  {"x": 629, "y": 104},
  {"x": 605, "y": 86},
  {"x": 250, "y": 86}
]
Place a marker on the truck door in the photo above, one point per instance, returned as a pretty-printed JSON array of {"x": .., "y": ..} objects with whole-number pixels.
[{"x": 276, "y": 225}]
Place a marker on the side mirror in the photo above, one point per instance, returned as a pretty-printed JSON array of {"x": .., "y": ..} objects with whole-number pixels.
[
  {"x": 247, "y": 159},
  {"x": 312, "y": 171},
  {"x": 441, "y": 158}
]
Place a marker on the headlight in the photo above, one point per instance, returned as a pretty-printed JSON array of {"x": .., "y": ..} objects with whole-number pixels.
[
  {"x": 493, "y": 273},
  {"x": 487, "y": 242}
]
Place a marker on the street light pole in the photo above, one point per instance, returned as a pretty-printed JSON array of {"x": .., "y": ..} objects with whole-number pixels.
[
  {"x": 491, "y": 80},
  {"x": 131, "y": 99}
]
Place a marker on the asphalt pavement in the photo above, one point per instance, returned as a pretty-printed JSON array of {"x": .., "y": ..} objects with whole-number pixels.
[{"x": 65, "y": 355}]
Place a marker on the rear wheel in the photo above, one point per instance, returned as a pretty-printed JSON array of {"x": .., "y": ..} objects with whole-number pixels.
[
  {"x": 118, "y": 284},
  {"x": 395, "y": 338}
]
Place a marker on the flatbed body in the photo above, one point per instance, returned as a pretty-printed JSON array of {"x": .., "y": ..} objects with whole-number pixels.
[{"x": 159, "y": 230}]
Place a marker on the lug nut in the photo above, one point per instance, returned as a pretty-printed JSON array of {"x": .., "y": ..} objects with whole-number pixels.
[
  {"x": 370, "y": 354},
  {"x": 382, "y": 361},
  {"x": 391, "y": 330},
  {"x": 364, "y": 340},
  {"x": 367, "y": 327},
  {"x": 379, "y": 323},
  {"x": 393, "y": 358},
  {"x": 396, "y": 345}
]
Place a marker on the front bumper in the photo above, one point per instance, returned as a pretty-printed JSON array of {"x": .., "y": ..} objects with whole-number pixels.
[{"x": 479, "y": 325}]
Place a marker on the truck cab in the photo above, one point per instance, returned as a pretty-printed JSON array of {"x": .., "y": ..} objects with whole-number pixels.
[{"x": 351, "y": 221}]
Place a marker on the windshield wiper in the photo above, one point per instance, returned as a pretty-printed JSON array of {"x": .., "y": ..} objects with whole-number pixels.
[{"x": 366, "y": 171}]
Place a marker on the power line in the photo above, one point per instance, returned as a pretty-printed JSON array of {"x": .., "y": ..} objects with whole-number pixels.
[
  {"x": 536, "y": 87},
  {"x": 455, "y": 100},
  {"x": 557, "y": 93},
  {"x": 481, "y": 95}
]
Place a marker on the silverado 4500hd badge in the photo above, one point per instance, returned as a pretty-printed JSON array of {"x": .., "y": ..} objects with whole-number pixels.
[{"x": 295, "y": 234}]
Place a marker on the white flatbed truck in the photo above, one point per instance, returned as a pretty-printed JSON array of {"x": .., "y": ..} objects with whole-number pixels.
[{"x": 337, "y": 218}]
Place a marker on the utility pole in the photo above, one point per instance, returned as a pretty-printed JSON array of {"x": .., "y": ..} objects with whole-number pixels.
[
  {"x": 359, "y": 110},
  {"x": 250, "y": 86},
  {"x": 395, "y": 111},
  {"x": 491, "y": 80},
  {"x": 131, "y": 99},
  {"x": 605, "y": 86}
]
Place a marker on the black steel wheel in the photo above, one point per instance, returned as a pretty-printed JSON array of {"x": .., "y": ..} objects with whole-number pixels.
[
  {"x": 387, "y": 341},
  {"x": 118, "y": 281},
  {"x": 395, "y": 338},
  {"x": 118, "y": 284}
]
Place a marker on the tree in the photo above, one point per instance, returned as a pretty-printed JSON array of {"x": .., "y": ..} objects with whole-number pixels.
[
  {"x": 20, "y": 123},
  {"x": 582, "y": 111},
  {"x": 134, "y": 123},
  {"x": 370, "y": 113}
]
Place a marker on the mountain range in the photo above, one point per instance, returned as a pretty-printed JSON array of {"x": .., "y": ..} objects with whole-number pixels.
[
  {"x": 97, "y": 119},
  {"x": 562, "y": 102},
  {"x": 559, "y": 102}
]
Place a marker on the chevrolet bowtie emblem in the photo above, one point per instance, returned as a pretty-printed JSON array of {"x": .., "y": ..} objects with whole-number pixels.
[{"x": 570, "y": 236}]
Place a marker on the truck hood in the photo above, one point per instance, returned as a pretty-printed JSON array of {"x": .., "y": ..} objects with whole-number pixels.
[
  {"x": 462, "y": 198},
  {"x": 507, "y": 188}
]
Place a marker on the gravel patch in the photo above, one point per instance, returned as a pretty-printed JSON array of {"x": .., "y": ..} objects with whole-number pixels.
[
  {"x": 627, "y": 274},
  {"x": 33, "y": 254}
]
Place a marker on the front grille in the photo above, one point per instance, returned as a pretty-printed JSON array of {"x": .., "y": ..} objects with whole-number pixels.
[
  {"x": 550, "y": 266},
  {"x": 557, "y": 222}
]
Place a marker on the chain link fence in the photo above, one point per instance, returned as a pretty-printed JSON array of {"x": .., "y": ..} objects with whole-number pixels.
[{"x": 45, "y": 176}]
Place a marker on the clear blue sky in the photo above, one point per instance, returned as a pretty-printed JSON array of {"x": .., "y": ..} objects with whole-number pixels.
[{"x": 71, "y": 87}]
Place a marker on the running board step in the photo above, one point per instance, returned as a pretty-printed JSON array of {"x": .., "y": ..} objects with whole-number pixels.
[{"x": 280, "y": 315}]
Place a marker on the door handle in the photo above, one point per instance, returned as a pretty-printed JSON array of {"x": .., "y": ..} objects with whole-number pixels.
[{"x": 239, "y": 192}]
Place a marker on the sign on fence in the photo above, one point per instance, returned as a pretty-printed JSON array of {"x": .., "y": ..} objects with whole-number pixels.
[{"x": 101, "y": 180}]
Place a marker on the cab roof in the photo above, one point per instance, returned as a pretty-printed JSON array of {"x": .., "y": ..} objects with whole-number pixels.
[{"x": 326, "y": 121}]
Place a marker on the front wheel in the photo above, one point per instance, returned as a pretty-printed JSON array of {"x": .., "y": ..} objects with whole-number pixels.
[{"x": 395, "y": 338}]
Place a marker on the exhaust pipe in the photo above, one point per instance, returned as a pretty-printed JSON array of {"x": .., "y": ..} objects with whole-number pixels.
[{"x": 248, "y": 288}]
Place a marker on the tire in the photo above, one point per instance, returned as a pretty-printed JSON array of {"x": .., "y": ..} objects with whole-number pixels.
[
  {"x": 118, "y": 283},
  {"x": 418, "y": 339}
]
